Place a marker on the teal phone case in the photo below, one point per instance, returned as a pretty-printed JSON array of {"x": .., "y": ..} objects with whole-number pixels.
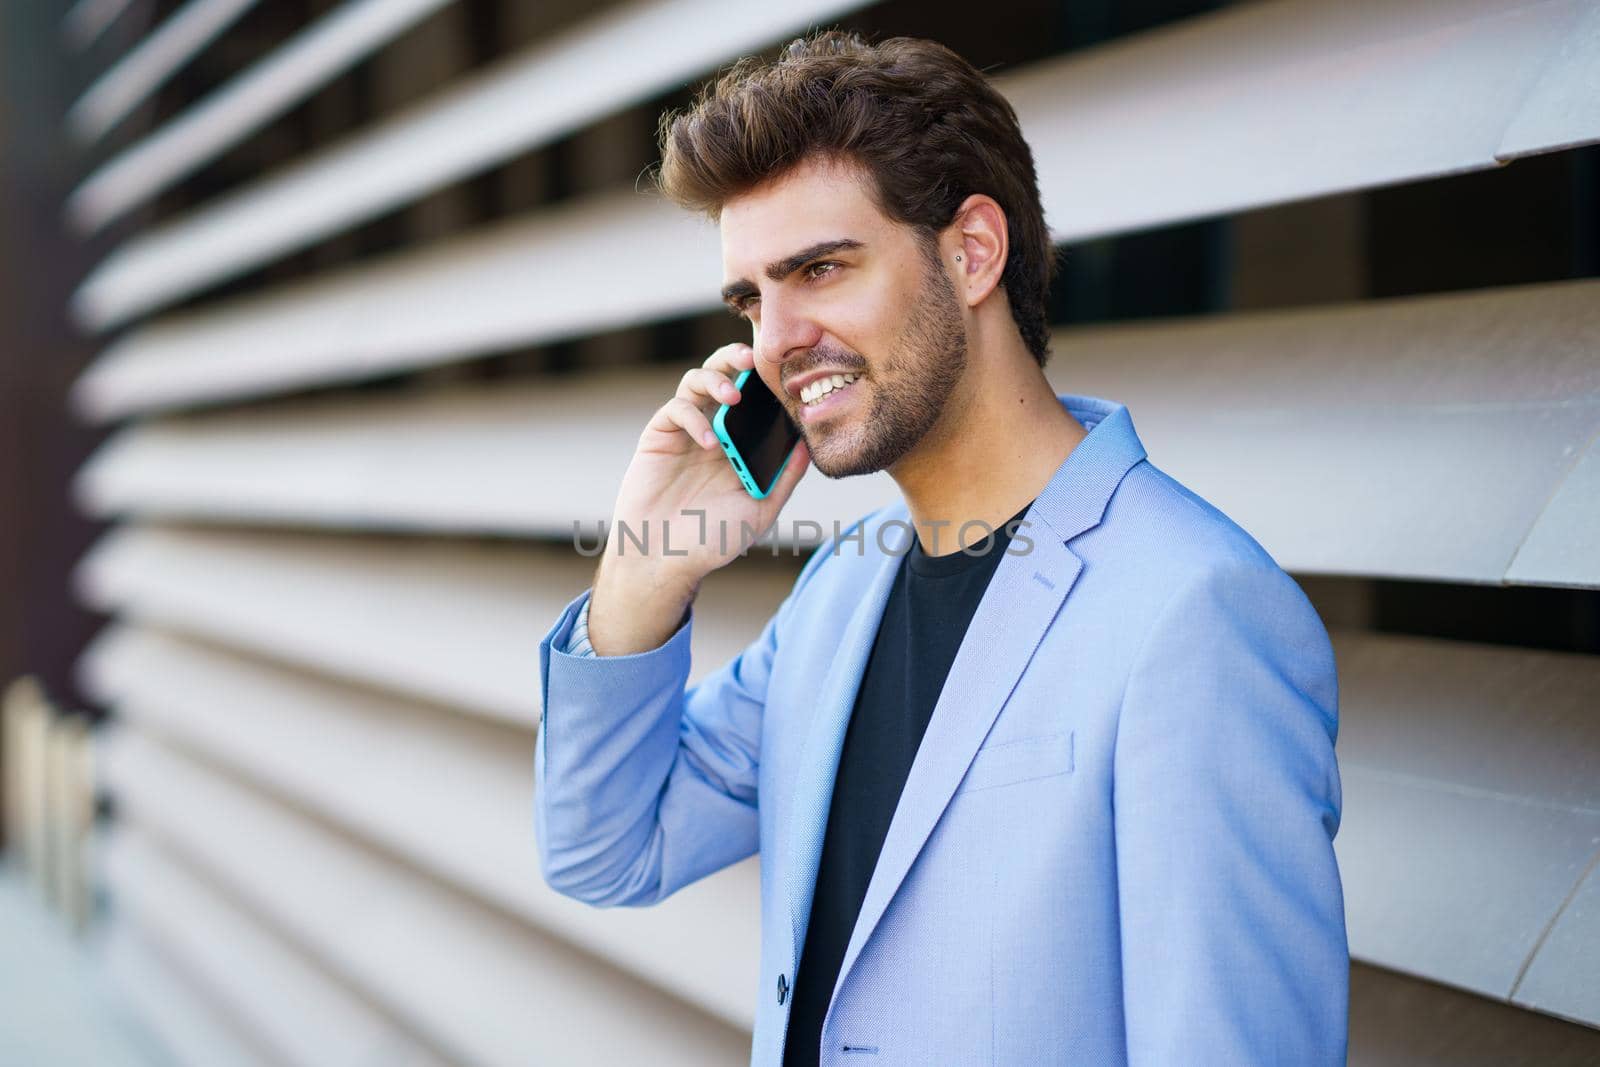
[{"x": 719, "y": 427}]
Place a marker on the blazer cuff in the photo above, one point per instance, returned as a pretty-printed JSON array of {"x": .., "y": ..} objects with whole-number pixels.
[{"x": 578, "y": 640}]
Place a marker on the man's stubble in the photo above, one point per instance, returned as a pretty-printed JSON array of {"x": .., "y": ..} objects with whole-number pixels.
[{"x": 914, "y": 389}]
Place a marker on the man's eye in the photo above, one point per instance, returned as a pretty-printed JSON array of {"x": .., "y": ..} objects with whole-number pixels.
[{"x": 740, "y": 309}]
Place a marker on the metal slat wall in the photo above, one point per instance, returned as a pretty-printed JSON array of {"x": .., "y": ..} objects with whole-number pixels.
[
  {"x": 301, "y": 1014},
  {"x": 86, "y": 20},
  {"x": 1089, "y": 156},
  {"x": 409, "y": 776},
  {"x": 555, "y": 87},
  {"x": 1429, "y": 390},
  {"x": 253, "y": 98},
  {"x": 326, "y": 605},
  {"x": 194, "y": 1025},
  {"x": 138, "y": 74},
  {"x": 483, "y": 986}
]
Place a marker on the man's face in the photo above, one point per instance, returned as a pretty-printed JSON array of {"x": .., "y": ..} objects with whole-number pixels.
[{"x": 831, "y": 284}]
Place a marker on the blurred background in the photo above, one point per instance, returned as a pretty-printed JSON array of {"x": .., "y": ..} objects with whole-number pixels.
[{"x": 327, "y": 325}]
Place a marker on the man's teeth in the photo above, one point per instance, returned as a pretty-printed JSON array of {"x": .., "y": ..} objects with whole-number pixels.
[{"x": 823, "y": 386}]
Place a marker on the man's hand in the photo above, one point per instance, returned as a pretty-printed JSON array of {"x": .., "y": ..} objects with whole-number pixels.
[{"x": 681, "y": 492}]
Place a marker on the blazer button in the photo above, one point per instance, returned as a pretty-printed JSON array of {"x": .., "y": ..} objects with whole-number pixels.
[{"x": 783, "y": 989}]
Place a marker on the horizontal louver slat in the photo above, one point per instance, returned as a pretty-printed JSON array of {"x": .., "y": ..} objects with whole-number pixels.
[
  {"x": 128, "y": 84},
  {"x": 1334, "y": 98},
  {"x": 253, "y": 98},
  {"x": 499, "y": 993},
  {"x": 608, "y": 261},
  {"x": 1472, "y": 809},
  {"x": 293, "y": 1007},
  {"x": 448, "y": 792},
  {"x": 86, "y": 20},
  {"x": 182, "y": 1014},
  {"x": 557, "y": 86},
  {"x": 1314, "y": 429}
]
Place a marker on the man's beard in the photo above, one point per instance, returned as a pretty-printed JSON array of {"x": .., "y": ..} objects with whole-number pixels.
[{"x": 922, "y": 372}]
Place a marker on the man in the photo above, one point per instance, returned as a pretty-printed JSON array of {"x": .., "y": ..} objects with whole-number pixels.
[{"x": 1054, "y": 785}]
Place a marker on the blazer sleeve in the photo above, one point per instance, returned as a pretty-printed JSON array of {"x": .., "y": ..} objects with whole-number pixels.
[
  {"x": 641, "y": 784},
  {"x": 1226, "y": 799}
]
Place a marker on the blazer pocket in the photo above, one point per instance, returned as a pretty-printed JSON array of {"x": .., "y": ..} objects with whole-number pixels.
[{"x": 1019, "y": 761}]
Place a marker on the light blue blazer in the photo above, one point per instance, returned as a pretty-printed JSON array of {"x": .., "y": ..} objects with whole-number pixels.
[{"x": 1115, "y": 845}]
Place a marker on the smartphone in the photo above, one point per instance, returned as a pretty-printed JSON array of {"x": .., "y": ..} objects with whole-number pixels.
[{"x": 756, "y": 433}]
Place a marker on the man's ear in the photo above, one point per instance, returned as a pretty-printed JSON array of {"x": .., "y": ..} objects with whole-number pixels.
[{"x": 978, "y": 235}]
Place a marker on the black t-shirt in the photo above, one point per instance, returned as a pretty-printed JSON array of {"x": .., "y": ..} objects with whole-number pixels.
[{"x": 924, "y": 621}]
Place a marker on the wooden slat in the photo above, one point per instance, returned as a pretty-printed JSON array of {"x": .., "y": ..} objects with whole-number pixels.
[
  {"x": 138, "y": 74},
  {"x": 553, "y": 88},
  {"x": 505, "y": 993},
  {"x": 1423, "y": 438},
  {"x": 447, "y": 792}
]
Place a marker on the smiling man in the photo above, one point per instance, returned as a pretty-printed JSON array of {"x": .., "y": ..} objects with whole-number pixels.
[{"x": 1050, "y": 780}]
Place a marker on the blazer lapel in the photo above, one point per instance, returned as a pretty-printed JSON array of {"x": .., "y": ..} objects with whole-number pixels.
[
  {"x": 1022, "y": 601},
  {"x": 1023, "y": 598},
  {"x": 819, "y": 758}
]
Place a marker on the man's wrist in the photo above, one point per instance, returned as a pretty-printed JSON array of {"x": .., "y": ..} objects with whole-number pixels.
[
  {"x": 578, "y": 643},
  {"x": 641, "y": 607}
]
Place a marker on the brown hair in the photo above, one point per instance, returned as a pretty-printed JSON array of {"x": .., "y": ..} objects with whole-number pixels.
[{"x": 924, "y": 122}]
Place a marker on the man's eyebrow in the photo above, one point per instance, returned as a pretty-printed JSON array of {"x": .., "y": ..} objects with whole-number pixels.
[{"x": 781, "y": 269}]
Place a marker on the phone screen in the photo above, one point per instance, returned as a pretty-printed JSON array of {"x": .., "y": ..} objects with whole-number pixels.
[{"x": 760, "y": 428}]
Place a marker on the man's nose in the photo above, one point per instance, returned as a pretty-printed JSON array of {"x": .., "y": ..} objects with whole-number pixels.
[{"x": 784, "y": 330}]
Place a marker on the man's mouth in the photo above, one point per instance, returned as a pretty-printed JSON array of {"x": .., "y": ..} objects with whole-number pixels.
[{"x": 818, "y": 392}]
